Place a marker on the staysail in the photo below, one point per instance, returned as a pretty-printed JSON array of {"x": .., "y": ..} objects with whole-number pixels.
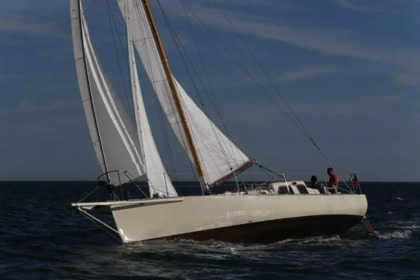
[
  {"x": 113, "y": 134},
  {"x": 218, "y": 155},
  {"x": 158, "y": 179}
]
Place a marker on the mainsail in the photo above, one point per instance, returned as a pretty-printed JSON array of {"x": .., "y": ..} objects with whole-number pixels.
[
  {"x": 218, "y": 155},
  {"x": 113, "y": 134}
]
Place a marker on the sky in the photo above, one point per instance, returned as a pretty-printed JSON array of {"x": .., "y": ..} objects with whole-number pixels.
[{"x": 350, "y": 69}]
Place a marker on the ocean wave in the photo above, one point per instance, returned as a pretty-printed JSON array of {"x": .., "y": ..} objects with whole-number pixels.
[
  {"x": 411, "y": 227},
  {"x": 398, "y": 234},
  {"x": 312, "y": 240}
]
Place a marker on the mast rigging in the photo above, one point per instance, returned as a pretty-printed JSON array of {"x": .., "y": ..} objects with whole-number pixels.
[{"x": 175, "y": 95}]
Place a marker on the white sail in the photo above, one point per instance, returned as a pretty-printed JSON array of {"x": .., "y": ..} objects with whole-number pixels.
[
  {"x": 113, "y": 134},
  {"x": 158, "y": 179},
  {"x": 217, "y": 153}
]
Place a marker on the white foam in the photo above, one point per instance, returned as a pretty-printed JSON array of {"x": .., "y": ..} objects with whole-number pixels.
[
  {"x": 405, "y": 234},
  {"x": 407, "y": 226}
]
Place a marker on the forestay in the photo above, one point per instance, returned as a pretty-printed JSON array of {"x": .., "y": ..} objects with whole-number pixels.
[{"x": 217, "y": 153}]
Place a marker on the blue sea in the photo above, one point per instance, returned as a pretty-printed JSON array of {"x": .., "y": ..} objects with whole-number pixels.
[{"x": 41, "y": 237}]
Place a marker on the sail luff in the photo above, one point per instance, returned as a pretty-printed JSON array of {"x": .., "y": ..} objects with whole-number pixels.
[
  {"x": 83, "y": 79},
  {"x": 175, "y": 95}
]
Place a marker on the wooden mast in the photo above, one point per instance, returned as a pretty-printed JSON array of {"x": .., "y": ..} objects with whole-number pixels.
[{"x": 175, "y": 95}]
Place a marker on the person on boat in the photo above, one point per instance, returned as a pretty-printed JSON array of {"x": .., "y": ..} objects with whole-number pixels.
[
  {"x": 315, "y": 185},
  {"x": 333, "y": 181}
]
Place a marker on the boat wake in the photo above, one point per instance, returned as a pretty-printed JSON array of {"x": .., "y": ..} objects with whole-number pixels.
[
  {"x": 401, "y": 231},
  {"x": 398, "y": 234},
  {"x": 313, "y": 240}
]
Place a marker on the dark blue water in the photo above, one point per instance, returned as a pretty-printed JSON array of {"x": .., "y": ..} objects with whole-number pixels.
[{"x": 41, "y": 237}]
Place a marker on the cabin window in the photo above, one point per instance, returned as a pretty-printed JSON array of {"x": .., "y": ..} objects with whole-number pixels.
[
  {"x": 302, "y": 189},
  {"x": 283, "y": 190}
]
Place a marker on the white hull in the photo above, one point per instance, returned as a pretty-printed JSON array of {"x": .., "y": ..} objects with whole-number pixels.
[{"x": 242, "y": 218}]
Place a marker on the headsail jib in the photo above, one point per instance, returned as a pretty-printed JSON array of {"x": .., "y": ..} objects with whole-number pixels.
[
  {"x": 113, "y": 134},
  {"x": 158, "y": 180}
]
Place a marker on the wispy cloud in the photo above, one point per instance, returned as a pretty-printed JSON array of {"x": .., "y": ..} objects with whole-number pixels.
[
  {"x": 382, "y": 6},
  {"x": 339, "y": 41},
  {"x": 300, "y": 74}
]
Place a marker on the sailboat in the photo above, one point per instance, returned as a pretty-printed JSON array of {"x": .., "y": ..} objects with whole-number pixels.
[{"x": 126, "y": 151}]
